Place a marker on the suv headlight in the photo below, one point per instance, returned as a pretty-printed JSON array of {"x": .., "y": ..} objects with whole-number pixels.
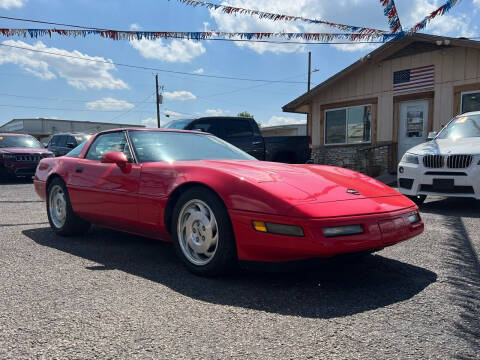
[
  {"x": 410, "y": 159},
  {"x": 9, "y": 156}
]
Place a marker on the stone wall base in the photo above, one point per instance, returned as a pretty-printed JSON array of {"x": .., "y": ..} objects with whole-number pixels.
[{"x": 367, "y": 159}]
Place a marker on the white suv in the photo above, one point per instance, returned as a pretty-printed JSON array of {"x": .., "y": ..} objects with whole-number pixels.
[{"x": 448, "y": 165}]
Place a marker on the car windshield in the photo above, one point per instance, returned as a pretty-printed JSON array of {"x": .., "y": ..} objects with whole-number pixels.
[
  {"x": 178, "y": 124},
  {"x": 153, "y": 146},
  {"x": 75, "y": 152},
  {"x": 461, "y": 127},
  {"x": 19, "y": 142}
]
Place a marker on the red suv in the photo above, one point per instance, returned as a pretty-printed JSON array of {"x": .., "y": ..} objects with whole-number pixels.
[{"x": 20, "y": 155}]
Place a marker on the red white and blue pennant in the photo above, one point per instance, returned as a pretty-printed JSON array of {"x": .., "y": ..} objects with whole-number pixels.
[
  {"x": 227, "y": 9},
  {"x": 438, "y": 12},
  {"x": 200, "y": 35}
]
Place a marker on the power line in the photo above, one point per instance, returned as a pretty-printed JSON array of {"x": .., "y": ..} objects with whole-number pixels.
[
  {"x": 151, "y": 68},
  {"x": 49, "y": 23}
]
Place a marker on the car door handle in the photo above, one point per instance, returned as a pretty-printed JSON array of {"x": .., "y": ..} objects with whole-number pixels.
[
  {"x": 256, "y": 143},
  {"x": 79, "y": 170}
]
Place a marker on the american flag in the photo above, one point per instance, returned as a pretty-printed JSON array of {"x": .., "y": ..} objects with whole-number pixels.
[{"x": 414, "y": 80}]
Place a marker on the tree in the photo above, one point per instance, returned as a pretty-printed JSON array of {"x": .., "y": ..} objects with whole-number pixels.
[{"x": 245, "y": 114}]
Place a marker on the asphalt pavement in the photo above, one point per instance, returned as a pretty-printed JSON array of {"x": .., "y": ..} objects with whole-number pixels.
[{"x": 111, "y": 295}]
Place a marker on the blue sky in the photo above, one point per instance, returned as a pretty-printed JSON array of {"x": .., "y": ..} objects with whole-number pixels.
[{"x": 56, "y": 87}]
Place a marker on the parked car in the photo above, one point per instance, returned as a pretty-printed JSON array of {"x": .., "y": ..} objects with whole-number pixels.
[
  {"x": 448, "y": 165},
  {"x": 217, "y": 203},
  {"x": 20, "y": 155},
  {"x": 243, "y": 132},
  {"x": 61, "y": 144}
]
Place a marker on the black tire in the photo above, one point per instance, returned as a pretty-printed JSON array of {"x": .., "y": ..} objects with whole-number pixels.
[
  {"x": 418, "y": 199},
  {"x": 225, "y": 255},
  {"x": 73, "y": 224}
]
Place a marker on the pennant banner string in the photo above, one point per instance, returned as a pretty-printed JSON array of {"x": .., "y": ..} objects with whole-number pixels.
[
  {"x": 438, "y": 12},
  {"x": 203, "y": 35},
  {"x": 390, "y": 11},
  {"x": 227, "y": 9}
]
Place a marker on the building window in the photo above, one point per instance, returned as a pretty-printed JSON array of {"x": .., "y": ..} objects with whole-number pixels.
[
  {"x": 470, "y": 101},
  {"x": 350, "y": 125}
]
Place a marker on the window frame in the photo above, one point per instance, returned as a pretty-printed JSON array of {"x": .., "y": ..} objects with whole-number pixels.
[
  {"x": 243, "y": 120},
  {"x": 466, "y": 93},
  {"x": 346, "y": 125},
  {"x": 92, "y": 142}
]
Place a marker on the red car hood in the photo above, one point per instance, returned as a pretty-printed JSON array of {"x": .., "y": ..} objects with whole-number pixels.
[
  {"x": 317, "y": 183},
  {"x": 24, "y": 151}
]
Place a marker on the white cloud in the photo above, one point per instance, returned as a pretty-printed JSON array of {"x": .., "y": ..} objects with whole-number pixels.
[
  {"x": 78, "y": 73},
  {"x": 283, "y": 120},
  {"x": 178, "y": 51},
  {"x": 109, "y": 103},
  {"x": 200, "y": 71},
  {"x": 179, "y": 95},
  {"x": 453, "y": 23},
  {"x": 216, "y": 112},
  {"x": 356, "y": 12},
  {"x": 9, "y": 4},
  {"x": 149, "y": 122},
  {"x": 135, "y": 27},
  {"x": 247, "y": 23}
]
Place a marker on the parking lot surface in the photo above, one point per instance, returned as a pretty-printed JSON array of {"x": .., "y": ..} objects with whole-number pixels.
[{"x": 114, "y": 295}]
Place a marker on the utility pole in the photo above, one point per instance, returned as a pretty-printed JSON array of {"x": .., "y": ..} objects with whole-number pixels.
[
  {"x": 309, "y": 69},
  {"x": 158, "y": 100}
]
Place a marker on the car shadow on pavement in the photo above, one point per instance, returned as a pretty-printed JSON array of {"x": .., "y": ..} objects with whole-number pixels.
[
  {"x": 463, "y": 266},
  {"x": 464, "y": 207},
  {"x": 331, "y": 290}
]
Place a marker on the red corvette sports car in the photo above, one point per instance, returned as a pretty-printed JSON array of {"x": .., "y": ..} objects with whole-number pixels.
[{"x": 218, "y": 204}]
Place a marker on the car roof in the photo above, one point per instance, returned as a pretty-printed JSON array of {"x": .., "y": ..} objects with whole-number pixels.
[
  {"x": 154, "y": 129},
  {"x": 470, "y": 113},
  {"x": 16, "y": 135},
  {"x": 72, "y": 134}
]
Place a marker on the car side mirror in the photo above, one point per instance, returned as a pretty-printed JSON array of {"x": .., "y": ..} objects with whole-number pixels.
[
  {"x": 116, "y": 157},
  {"x": 431, "y": 135},
  {"x": 70, "y": 145}
]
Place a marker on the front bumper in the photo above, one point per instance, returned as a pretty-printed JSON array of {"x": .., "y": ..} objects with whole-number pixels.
[
  {"x": 18, "y": 169},
  {"x": 380, "y": 230},
  {"x": 416, "y": 179}
]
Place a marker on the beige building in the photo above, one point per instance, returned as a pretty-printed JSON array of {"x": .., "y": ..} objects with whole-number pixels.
[
  {"x": 366, "y": 116},
  {"x": 285, "y": 130},
  {"x": 42, "y": 129}
]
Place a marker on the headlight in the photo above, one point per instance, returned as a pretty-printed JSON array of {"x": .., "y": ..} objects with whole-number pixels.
[
  {"x": 9, "y": 156},
  {"x": 342, "y": 230},
  {"x": 414, "y": 218},
  {"x": 410, "y": 159},
  {"x": 48, "y": 156},
  {"x": 280, "y": 229}
]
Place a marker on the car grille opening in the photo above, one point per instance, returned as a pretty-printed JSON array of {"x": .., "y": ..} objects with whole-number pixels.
[
  {"x": 451, "y": 161},
  {"x": 459, "y": 161},
  {"x": 446, "y": 173},
  {"x": 433, "y": 161},
  {"x": 405, "y": 183},
  {"x": 453, "y": 190},
  {"x": 28, "y": 158}
]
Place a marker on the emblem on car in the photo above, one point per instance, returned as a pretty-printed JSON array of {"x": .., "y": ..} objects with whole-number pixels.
[{"x": 353, "y": 192}]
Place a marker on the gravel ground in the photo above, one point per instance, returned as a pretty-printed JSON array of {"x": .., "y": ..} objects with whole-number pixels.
[{"x": 118, "y": 296}]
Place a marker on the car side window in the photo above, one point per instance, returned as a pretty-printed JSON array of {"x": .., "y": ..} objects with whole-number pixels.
[
  {"x": 62, "y": 141},
  {"x": 205, "y": 125},
  {"x": 53, "y": 141},
  {"x": 106, "y": 143},
  {"x": 235, "y": 128},
  {"x": 72, "y": 140}
]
